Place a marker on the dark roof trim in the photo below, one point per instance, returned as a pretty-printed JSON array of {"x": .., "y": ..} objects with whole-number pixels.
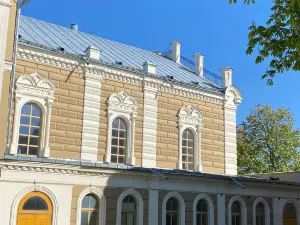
[{"x": 142, "y": 169}]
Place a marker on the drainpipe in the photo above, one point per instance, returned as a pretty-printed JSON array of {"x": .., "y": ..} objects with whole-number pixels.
[{"x": 13, "y": 72}]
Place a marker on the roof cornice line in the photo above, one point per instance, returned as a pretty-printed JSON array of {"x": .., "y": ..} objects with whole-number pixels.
[{"x": 134, "y": 76}]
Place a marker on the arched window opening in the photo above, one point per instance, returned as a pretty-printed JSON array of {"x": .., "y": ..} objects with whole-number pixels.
[
  {"x": 119, "y": 141},
  {"x": 129, "y": 211},
  {"x": 35, "y": 203},
  {"x": 260, "y": 214},
  {"x": 29, "y": 132},
  {"x": 172, "y": 212},
  {"x": 202, "y": 212},
  {"x": 89, "y": 210},
  {"x": 236, "y": 214},
  {"x": 187, "y": 150},
  {"x": 289, "y": 215}
]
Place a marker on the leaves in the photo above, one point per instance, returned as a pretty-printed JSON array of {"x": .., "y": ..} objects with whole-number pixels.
[{"x": 267, "y": 141}]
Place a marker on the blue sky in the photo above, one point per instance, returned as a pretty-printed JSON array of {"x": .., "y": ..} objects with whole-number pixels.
[{"x": 214, "y": 28}]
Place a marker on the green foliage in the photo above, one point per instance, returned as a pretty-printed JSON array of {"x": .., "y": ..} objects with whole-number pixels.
[
  {"x": 278, "y": 41},
  {"x": 267, "y": 142}
]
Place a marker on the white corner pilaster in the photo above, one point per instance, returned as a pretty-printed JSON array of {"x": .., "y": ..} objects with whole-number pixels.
[
  {"x": 91, "y": 117},
  {"x": 221, "y": 209},
  {"x": 149, "y": 126},
  {"x": 232, "y": 100},
  {"x": 4, "y": 19},
  {"x": 153, "y": 207}
]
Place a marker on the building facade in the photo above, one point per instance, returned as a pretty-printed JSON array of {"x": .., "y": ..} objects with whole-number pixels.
[{"x": 96, "y": 132}]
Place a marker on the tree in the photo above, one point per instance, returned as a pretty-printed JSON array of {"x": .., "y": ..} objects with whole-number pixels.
[
  {"x": 267, "y": 141},
  {"x": 279, "y": 40}
]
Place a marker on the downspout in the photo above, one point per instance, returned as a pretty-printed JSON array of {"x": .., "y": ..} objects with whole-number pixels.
[{"x": 13, "y": 73}]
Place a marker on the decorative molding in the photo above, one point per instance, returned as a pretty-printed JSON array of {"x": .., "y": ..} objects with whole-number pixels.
[
  {"x": 140, "y": 206},
  {"x": 35, "y": 54},
  {"x": 189, "y": 117},
  {"x": 267, "y": 210},
  {"x": 149, "y": 126},
  {"x": 243, "y": 209},
  {"x": 211, "y": 213},
  {"x": 91, "y": 117},
  {"x": 101, "y": 204},
  {"x": 232, "y": 99},
  {"x": 5, "y": 3},
  {"x": 36, "y": 89},
  {"x": 181, "y": 207},
  {"x": 23, "y": 193},
  {"x": 7, "y": 66},
  {"x": 124, "y": 106}
]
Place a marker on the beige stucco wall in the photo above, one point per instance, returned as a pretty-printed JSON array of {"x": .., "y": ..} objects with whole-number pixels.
[
  {"x": 212, "y": 137},
  {"x": 67, "y": 109},
  {"x": 107, "y": 89}
]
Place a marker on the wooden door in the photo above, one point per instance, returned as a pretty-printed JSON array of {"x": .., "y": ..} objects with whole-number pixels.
[
  {"x": 289, "y": 215},
  {"x": 35, "y": 209}
]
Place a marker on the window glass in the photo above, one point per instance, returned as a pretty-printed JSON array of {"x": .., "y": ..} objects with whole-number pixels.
[
  {"x": 236, "y": 214},
  {"x": 128, "y": 214},
  {"x": 89, "y": 212},
  {"x": 260, "y": 214},
  {"x": 35, "y": 203},
  {"x": 289, "y": 211},
  {"x": 29, "y": 132},
  {"x": 202, "y": 212},
  {"x": 119, "y": 141},
  {"x": 187, "y": 150},
  {"x": 172, "y": 212}
]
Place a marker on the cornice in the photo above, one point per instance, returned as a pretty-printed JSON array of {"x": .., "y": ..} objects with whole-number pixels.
[
  {"x": 26, "y": 52},
  {"x": 5, "y": 3}
]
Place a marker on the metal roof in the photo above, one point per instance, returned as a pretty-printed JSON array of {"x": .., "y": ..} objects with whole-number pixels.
[{"x": 40, "y": 33}]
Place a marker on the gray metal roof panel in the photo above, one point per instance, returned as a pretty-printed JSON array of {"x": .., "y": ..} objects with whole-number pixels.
[{"x": 75, "y": 42}]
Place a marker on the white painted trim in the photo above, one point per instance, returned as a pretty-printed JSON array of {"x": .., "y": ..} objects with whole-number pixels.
[
  {"x": 101, "y": 202},
  {"x": 267, "y": 210},
  {"x": 181, "y": 207},
  {"x": 140, "y": 206},
  {"x": 190, "y": 118},
  {"x": 7, "y": 66},
  {"x": 243, "y": 209},
  {"x": 91, "y": 117},
  {"x": 149, "y": 127},
  {"x": 232, "y": 99},
  {"x": 34, "y": 54},
  {"x": 36, "y": 89},
  {"x": 124, "y": 106},
  {"x": 24, "y": 192},
  {"x": 211, "y": 213}
]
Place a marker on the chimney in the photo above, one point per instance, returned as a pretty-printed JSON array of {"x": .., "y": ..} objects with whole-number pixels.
[
  {"x": 74, "y": 27},
  {"x": 176, "y": 51},
  {"x": 199, "y": 64},
  {"x": 93, "y": 53},
  {"x": 226, "y": 77},
  {"x": 149, "y": 68}
]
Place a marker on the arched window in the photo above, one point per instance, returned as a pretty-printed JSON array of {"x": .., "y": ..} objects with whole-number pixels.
[
  {"x": 29, "y": 133},
  {"x": 129, "y": 210},
  {"x": 236, "y": 218},
  {"x": 35, "y": 203},
  {"x": 202, "y": 212},
  {"x": 187, "y": 150},
  {"x": 172, "y": 212},
  {"x": 89, "y": 210},
  {"x": 119, "y": 141},
  {"x": 289, "y": 214},
  {"x": 260, "y": 214}
]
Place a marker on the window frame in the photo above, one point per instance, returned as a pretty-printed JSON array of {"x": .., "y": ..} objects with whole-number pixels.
[
  {"x": 210, "y": 206},
  {"x": 267, "y": 210},
  {"x": 189, "y": 117},
  {"x": 98, "y": 194},
  {"x": 139, "y": 206},
  {"x": 181, "y": 206},
  {"x": 36, "y": 90},
  {"x": 124, "y": 106},
  {"x": 243, "y": 206}
]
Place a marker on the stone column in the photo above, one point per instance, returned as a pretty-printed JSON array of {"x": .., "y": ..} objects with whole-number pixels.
[
  {"x": 221, "y": 210},
  {"x": 91, "y": 117},
  {"x": 4, "y": 19}
]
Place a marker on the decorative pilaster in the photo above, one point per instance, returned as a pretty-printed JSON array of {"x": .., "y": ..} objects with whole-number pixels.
[
  {"x": 46, "y": 151},
  {"x": 149, "y": 126},
  {"x": 232, "y": 99},
  {"x": 91, "y": 117},
  {"x": 4, "y": 19},
  {"x": 221, "y": 209},
  {"x": 153, "y": 207}
]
